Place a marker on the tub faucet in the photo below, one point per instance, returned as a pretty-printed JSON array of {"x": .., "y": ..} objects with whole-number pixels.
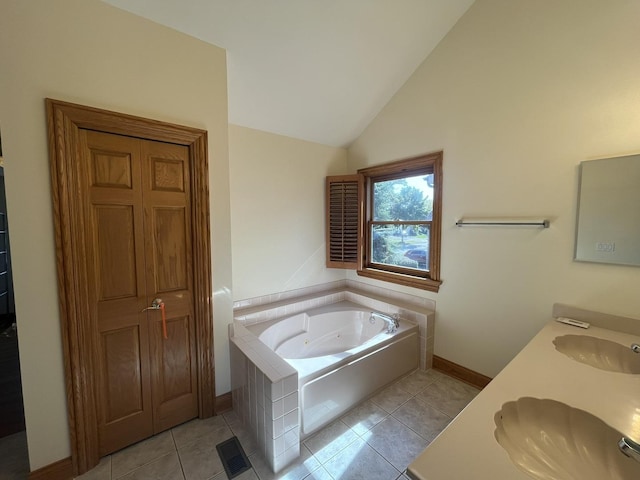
[
  {"x": 630, "y": 448},
  {"x": 392, "y": 320}
]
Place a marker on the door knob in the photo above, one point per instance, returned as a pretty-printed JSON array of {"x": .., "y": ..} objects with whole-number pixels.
[{"x": 155, "y": 305}]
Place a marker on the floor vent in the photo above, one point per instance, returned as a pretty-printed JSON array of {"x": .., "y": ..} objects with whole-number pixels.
[{"x": 233, "y": 458}]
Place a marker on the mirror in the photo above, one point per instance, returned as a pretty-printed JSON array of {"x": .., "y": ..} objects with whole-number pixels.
[{"x": 608, "y": 228}]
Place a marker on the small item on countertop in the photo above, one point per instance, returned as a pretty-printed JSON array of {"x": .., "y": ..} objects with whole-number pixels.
[{"x": 571, "y": 321}]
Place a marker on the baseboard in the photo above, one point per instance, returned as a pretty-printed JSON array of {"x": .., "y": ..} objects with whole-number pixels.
[
  {"x": 223, "y": 404},
  {"x": 461, "y": 373},
  {"x": 60, "y": 470}
]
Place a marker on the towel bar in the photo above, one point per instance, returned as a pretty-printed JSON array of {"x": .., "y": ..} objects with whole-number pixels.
[{"x": 500, "y": 223}]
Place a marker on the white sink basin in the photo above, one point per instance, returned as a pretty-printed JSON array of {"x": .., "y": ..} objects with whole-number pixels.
[
  {"x": 599, "y": 353},
  {"x": 549, "y": 440}
]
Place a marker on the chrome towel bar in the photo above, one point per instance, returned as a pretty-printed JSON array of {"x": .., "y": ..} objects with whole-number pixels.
[{"x": 544, "y": 223}]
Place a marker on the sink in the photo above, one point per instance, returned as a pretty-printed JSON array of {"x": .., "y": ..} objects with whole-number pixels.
[
  {"x": 599, "y": 353},
  {"x": 549, "y": 440}
]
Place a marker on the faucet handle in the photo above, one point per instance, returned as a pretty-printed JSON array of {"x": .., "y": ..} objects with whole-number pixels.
[
  {"x": 635, "y": 347},
  {"x": 629, "y": 448}
]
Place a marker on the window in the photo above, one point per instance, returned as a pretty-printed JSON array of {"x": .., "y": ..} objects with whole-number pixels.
[{"x": 397, "y": 225}]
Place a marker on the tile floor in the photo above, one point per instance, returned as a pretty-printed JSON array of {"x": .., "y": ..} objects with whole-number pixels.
[{"x": 376, "y": 440}]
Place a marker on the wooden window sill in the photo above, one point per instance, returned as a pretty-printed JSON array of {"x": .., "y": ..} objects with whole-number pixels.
[{"x": 400, "y": 279}]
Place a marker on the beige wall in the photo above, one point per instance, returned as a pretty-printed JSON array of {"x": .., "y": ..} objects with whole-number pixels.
[
  {"x": 517, "y": 94},
  {"x": 87, "y": 52},
  {"x": 277, "y": 211}
]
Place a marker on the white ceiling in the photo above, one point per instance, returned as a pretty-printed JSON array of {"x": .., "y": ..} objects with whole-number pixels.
[{"x": 318, "y": 70}]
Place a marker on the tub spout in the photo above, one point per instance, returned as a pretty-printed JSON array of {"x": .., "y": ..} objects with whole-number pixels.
[
  {"x": 629, "y": 448},
  {"x": 391, "y": 320}
]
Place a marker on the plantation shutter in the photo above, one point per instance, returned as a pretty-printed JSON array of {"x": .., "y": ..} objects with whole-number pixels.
[{"x": 343, "y": 224}]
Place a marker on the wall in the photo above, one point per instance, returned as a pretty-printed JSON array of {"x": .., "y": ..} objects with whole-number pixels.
[
  {"x": 87, "y": 52},
  {"x": 277, "y": 211},
  {"x": 517, "y": 95}
]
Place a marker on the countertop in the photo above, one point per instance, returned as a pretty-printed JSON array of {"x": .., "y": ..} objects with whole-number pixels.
[{"x": 467, "y": 447}]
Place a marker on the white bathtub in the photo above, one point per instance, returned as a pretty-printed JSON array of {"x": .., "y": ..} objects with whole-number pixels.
[{"x": 341, "y": 358}]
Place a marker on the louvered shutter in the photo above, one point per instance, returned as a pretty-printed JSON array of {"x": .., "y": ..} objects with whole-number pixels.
[{"x": 343, "y": 229}]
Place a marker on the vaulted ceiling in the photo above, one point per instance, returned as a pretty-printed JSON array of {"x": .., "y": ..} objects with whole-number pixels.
[{"x": 318, "y": 70}]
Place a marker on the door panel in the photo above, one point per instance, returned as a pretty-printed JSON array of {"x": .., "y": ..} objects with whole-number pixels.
[
  {"x": 170, "y": 277},
  {"x": 176, "y": 358},
  {"x": 113, "y": 215},
  {"x": 174, "y": 384},
  {"x": 167, "y": 174},
  {"x": 123, "y": 374},
  {"x": 170, "y": 252},
  {"x": 111, "y": 169},
  {"x": 117, "y": 275}
]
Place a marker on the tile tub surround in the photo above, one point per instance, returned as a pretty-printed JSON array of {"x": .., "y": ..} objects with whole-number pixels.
[
  {"x": 279, "y": 305},
  {"x": 542, "y": 372},
  {"x": 265, "y": 387},
  {"x": 265, "y": 399}
]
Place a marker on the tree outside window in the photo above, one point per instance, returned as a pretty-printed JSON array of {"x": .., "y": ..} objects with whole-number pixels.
[{"x": 401, "y": 223}]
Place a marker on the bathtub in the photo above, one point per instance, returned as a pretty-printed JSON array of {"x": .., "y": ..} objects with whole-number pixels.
[{"x": 340, "y": 356}]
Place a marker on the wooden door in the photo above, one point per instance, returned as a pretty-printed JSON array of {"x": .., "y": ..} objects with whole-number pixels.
[
  {"x": 138, "y": 247},
  {"x": 72, "y": 179},
  {"x": 169, "y": 262}
]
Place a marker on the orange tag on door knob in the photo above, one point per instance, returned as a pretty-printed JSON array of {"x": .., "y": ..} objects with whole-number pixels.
[{"x": 164, "y": 321}]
